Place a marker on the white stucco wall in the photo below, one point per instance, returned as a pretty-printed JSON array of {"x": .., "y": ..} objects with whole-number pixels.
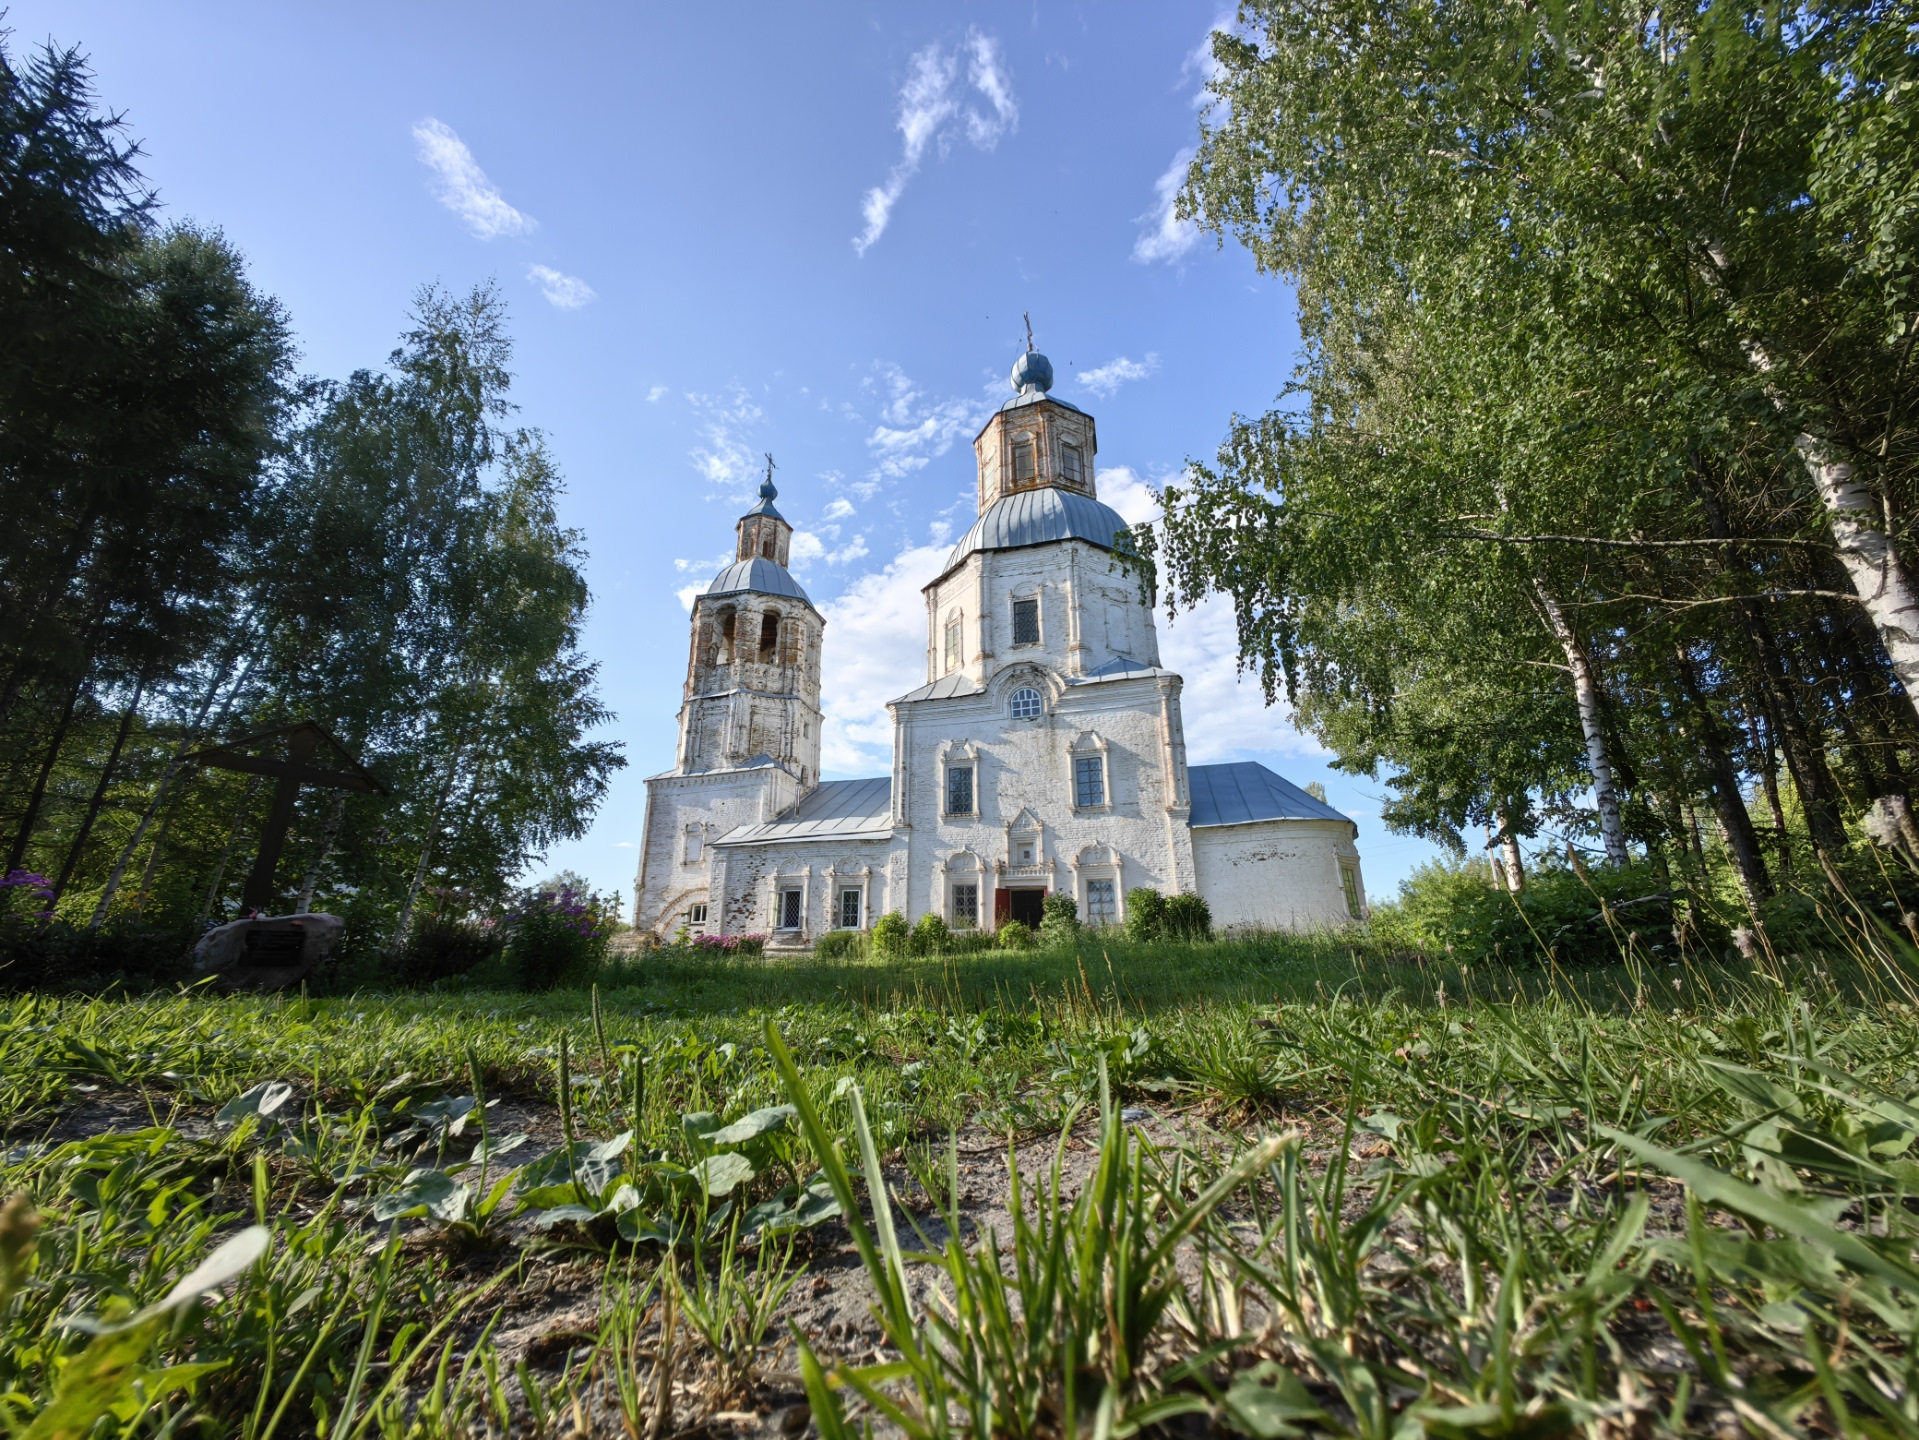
[
  {"x": 714, "y": 802},
  {"x": 1276, "y": 874}
]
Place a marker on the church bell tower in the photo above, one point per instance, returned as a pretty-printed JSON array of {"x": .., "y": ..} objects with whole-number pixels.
[{"x": 753, "y": 675}]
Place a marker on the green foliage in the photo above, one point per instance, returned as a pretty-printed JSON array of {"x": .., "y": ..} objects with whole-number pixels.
[
  {"x": 1014, "y": 935},
  {"x": 556, "y": 939},
  {"x": 1145, "y": 913},
  {"x": 891, "y": 934},
  {"x": 840, "y": 945},
  {"x": 440, "y": 948},
  {"x": 1585, "y": 916},
  {"x": 1059, "y": 921},
  {"x": 930, "y": 934}
]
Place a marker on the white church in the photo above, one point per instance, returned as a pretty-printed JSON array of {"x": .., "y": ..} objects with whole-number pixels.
[{"x": 1045, "y": 752}]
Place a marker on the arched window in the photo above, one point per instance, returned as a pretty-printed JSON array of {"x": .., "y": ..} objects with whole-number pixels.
[
  {"x": 1026, "y": 703},
  {"x": 769, "y": 638},
  {"x": 726, "y": 637},
  {"x": 770, "y": 545}
]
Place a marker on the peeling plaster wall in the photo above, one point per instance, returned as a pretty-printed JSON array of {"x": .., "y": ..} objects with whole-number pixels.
[
  {"x": 713, "y": 803},
  {"x": 1276, "y": 874}
]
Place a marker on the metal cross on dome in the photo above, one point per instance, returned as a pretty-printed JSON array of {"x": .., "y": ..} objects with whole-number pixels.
[{"x": 1027, "y": 316}]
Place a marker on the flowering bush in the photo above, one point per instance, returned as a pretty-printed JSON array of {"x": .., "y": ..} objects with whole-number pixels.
[
  {"x": 557, "y": 937},
  {"x": 24, "y": 896}
]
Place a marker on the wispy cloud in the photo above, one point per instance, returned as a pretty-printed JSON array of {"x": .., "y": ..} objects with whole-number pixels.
[
  {"x": 565, "y": 292},
  {"x": 875, "y": 652},
  {"x": 1107, "y": 378},
  {"x": 653, "y": 395},
  {"x": 463, "y": 187},
  {"x": 915, "y": 429},
  {"x": 931, "y": 100},
  {"x": 839, "y": 509},
  {"x": 727, "y": 460},
  {"x": 1164, "y": 236},
  {"x": 809, "y": 546}
]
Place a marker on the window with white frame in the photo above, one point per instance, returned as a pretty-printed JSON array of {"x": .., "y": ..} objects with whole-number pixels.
[
  {"x": 1102, "y": 902},
  {"x": 953, "y": 643},
  {"x": 850, "y": 909},
  {"x": 1026, "y": 703},
  {"x": 1349, "y": 879},
  {"x": 1026, "y": 622},
  {"x": 965, "y": 907},
  {"x": 1070, "y": 464},
  {"x": 1089, "y": 782},
  {"x": 959, "y": 789},
  {"x": 695, "y": 915},
  {"x": 789, "y": 909}
]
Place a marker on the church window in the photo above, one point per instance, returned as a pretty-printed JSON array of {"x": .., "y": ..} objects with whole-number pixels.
[
  {"x": 695, "y": 915},
  {"x": 959, "y": 790},
  {"x": 789, "y": 909},
  {"x": 695, "y": 843},
  {"x": 1026, "y": 622},
  {"x": 849, "y": 909},
  {"x": 1349, "y": 878},
  {"x": 726, "y": 637},
  {"x": 1089, "y": 782},
  {"x": 1026, "y": 703},
  {"x": 1102, "y": 907},
  {"x": 965, "y": 907},
  {"x": 1023, "y": 472},
  {"x": 1070, "y": 465},
  {"x": 770, "y": 546},
  {"x": 953, "y": 643},
  {"x": 769, "y": 638}
]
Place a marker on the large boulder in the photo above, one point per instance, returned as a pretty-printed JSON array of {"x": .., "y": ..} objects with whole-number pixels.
[{"x": 267, "y": 952}]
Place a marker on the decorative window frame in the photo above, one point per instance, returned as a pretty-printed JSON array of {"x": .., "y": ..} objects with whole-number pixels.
[
  {"x": 776, "y": 883},
  {"x": 693, "y": 844},
  {"x": 849, "y": 877},
  {"x": 1100, "y": 861},
  {"x": 1029, "y": 590},
  {"x": 953, "y": 641},
  {"x": 963, "y": 867},
  {"x": 1086, "y": 745},
  {"x": 963, "y": 753}
]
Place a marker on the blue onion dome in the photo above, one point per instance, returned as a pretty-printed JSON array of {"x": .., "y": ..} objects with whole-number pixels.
[
  {"x": 1032, "y": 371},
  {"x": 767, "y": 492}
]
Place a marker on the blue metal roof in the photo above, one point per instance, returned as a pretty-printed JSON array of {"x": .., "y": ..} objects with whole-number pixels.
[
  {"x": 832, "y": 810},
  {"x": 1245, "y": 791},
  {"x": 759, "y": 575},
  {"x": 1038, "y": 517}
]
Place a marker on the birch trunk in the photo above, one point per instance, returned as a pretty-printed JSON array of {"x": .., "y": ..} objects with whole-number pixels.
[
  {"x": 426, "y": 851},
  {"x": 332, "y": 832},
  {"x": 187, "y": 742},
  {"x": 1612, "y": 829},
  {"x": 99, "y": 791}
]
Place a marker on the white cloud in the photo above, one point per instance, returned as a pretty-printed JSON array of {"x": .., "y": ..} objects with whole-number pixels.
[
  {"x": 1105, "y": 379},
  {"x": 929, "y": 102},
  {"x": 1122, "y": 489},
  {"x": 463, "y": 187},
  {"x": 624, "y": 845},
  {"x": 653, "y": 395},
  {"x": 914, "y": 429},
  {"x": 705, "y": 567},
  {"x": 875, "y": 652},
  {"x": 1227, "y": 717},
  {"x": 727, "y": 461},
  {"x": 689, "y": 593},
  {"x": 839, "y": 509},
  {"x": 1166, "y": 236},
  {"x": 564, "y": 292},
  {"x": 808, "y": 547}
]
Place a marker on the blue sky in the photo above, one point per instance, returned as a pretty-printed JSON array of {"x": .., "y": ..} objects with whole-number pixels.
[{"x": 804, "y": 229}]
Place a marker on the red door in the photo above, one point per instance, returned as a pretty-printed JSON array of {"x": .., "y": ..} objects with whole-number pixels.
[{"x": 1002, "y": 906}]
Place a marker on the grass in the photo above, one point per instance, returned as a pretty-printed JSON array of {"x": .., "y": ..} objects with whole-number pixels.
[{"x": 1401, "y": 1197}]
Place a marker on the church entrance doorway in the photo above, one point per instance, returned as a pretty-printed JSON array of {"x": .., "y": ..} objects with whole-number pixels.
[{"x": 1026, "y": 906}]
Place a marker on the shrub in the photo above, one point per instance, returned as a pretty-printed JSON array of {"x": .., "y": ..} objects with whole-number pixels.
[
  {"x": 930, "y": 934},
  {"x": 1145, "y": 912},
  {"x": 1014, "y": 936},
  {"x": 439, "y": 949},
  {"x": 839, "y": 945},
  {"x": 556, "y": 938},
  {"x": 891, "y": 934},
  {"x": 747, "y": 945},
  {"x": 1186, "y": 917},
  {"x": 1060, "y": 922}
]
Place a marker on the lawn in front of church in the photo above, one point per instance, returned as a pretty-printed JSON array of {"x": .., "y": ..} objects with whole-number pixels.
[{"x": 1500, "y": 1200}]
